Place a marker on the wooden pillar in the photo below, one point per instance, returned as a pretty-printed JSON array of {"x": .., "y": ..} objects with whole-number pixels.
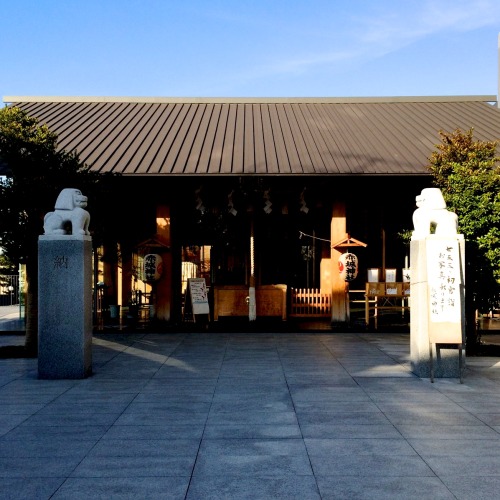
[
  {"x": 164, "y": 286},
  {"x": 110, "y": 273},
  {"x": 126, "y": 287},
  {"x": 252, "y": 305},
  {"x": 338, "y": 230}
]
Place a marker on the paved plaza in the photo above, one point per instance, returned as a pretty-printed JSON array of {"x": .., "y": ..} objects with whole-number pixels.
[{"x": 205, "y": 415}]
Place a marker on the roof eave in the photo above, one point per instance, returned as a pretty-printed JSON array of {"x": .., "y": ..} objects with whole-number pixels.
[{"x": 249, "y": 100}]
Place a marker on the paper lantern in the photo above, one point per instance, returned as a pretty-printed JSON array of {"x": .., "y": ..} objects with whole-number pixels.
[
  {"x": 153, "y": 267},
  {"x": 348, "y": 266}
]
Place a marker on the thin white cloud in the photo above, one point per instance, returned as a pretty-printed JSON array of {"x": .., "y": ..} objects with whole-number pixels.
[
  {"x": 460, "y": 15},
  {"x": 427, "y": 18},
  {"x": 377, "y": 34}
]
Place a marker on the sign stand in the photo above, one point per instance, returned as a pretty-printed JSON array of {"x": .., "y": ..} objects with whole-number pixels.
[
  {"x": 196, "y": 300},
  {"x": 445, "y": 286},
  {"x": 434, "y": 345}
]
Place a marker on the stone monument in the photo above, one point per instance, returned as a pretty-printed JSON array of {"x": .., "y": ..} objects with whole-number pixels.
[
  {"x": 437, "y": 324},
  {"x": 65, "y": 290}
]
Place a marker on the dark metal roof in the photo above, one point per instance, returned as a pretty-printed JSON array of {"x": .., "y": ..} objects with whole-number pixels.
[{"x": 311, "y": 136}]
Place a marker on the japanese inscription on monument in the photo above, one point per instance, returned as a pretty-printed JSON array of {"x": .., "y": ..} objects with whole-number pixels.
[
  {"x": 60, "y": 262},
  {"x": 443, "y": 264}
]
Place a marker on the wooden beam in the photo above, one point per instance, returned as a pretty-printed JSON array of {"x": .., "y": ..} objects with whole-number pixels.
[{"x": 165, "y": 285}]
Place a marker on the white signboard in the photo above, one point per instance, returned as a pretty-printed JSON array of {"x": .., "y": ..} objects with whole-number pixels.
[
  {"x": 443, "y": 272},
  {"x": 198, "y": 295}
]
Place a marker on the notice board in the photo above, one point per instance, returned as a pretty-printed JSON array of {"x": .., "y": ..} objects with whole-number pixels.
[
  {"x": 197, "y": 297},
  {"x": 444, "y": 275}
]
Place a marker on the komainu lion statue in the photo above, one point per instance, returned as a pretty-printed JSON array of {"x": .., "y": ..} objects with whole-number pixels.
[
  {"x": 431, "y": 209},
  {"x": 69, "y": 209}
]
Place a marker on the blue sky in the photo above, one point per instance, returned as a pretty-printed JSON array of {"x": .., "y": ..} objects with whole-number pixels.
[{"x": 240, "y": 48}]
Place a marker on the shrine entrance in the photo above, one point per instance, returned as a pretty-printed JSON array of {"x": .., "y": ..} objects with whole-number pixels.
[{"x": 244, "y": 235}]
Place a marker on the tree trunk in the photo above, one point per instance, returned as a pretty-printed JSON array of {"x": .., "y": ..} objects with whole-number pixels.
[
  {"x": 31, "y": 311},
  {"x": 472, "y": 338}
]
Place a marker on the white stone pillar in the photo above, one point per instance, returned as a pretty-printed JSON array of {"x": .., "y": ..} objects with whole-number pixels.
[{"x": 437, "y": 304}]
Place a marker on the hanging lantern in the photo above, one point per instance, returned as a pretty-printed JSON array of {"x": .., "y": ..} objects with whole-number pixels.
[
  {"x": 348, "y": 266},
  {"x": 153, "y": 267}
]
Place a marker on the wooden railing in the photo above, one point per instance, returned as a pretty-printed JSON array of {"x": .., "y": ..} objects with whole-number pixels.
[{"x": 307, "y": 302}]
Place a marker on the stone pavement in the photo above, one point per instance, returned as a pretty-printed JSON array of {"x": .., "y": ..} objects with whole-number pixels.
[
  {"x": 10, "y": 319},
  {"x": 249, "y": 416}
]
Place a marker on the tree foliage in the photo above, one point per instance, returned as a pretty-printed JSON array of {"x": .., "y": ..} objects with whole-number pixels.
[
  {"x": 468, "y": 173},
  {"x": 34, "y": 171},
  {"x": 6, "y": 266}
]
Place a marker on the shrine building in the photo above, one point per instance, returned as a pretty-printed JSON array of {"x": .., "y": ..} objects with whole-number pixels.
[{"x": 262, "y": 194}]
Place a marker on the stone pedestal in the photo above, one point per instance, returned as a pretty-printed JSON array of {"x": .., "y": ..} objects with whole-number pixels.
[
  {"x": 64, "y": 306},
  {"x": 437, "y": 304}
]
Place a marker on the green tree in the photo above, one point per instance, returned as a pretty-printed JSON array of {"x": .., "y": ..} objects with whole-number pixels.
[
  {"x": 6, "y": 270},
  {"x": 6, "y": 267},
  {"x": 34, "y": 171},
  {"x": 468, "y": 173}
]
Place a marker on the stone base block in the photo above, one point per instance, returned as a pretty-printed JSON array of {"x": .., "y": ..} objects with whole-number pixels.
[
  {"x": 445, "y": 361},
  {"x": 64, "y": 307}
]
